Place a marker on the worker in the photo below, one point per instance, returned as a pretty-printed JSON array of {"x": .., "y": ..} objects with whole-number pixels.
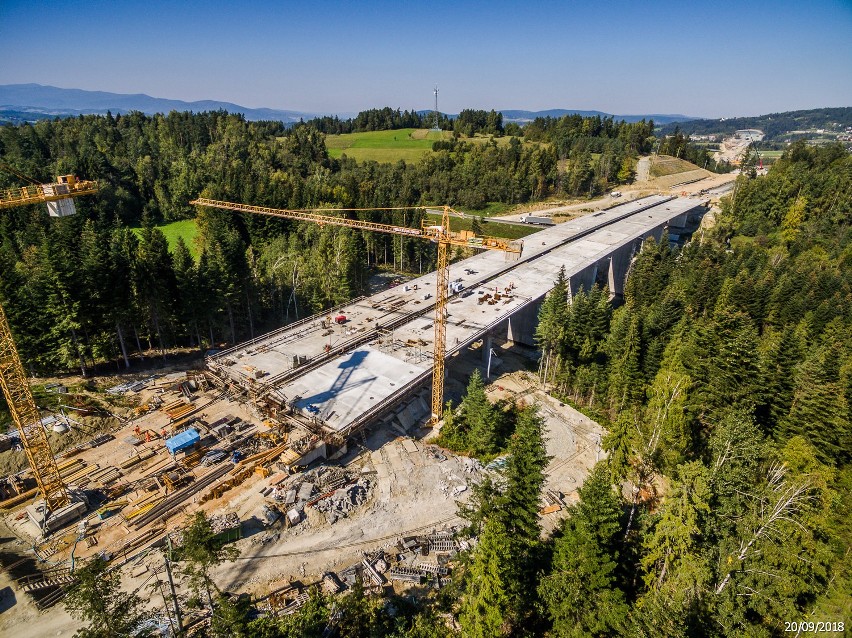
[
  {"x": 147, "y": 436},
  {"x": 163, "y": 433},
  {"x": 137, "y": 431}
]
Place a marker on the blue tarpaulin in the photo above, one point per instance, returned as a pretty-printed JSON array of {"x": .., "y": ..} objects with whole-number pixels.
[{"x": 181, "y": 441}]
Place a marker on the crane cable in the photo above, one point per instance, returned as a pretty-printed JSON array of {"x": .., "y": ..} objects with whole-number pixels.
[{"x": 18, "y": 174}]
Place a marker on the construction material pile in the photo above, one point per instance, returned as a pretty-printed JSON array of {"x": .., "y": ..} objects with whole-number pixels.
[
  {"x": 344, "y": 500},
  {"x": 223, "y": 522},
  {"x": 331, "y": 490},
  {"x": 414, "y": 560}
]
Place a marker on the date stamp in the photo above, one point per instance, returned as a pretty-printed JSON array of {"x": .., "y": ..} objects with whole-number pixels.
[{"x": 814, "y": 627}]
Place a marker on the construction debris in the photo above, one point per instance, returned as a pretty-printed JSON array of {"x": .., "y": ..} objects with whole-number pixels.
[{"x": 340, "y": 503}]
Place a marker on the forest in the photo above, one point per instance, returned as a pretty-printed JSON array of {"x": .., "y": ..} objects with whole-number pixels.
[
  {"x": 103, "y": 286},
  {"x": 724, "y": 380},
  {"x": 773, "y": 124}
]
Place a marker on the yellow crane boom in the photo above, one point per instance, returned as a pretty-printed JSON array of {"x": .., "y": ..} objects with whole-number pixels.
[
  {"x": 65, "y": 187},
  {"x": 441, "y": 234},
  {"x": 13, "y": 380}
]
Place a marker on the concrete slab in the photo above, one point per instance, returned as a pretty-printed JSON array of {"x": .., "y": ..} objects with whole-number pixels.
[{"x": 344, "y": 388}]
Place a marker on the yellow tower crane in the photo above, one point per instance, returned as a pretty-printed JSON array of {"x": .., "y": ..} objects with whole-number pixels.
[
  {"x": 441, "y": 234},
  {"x": 16, "y": 389}
]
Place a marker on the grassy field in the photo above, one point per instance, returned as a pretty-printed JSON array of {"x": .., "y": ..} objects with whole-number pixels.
[
  {"x": 491, "y": 209},
  {"x": 662, "y": 165},
  {"x": 492, "y": 229},
  {"x": 185, "y": 228},
  {"x": 407, "y": 144}
]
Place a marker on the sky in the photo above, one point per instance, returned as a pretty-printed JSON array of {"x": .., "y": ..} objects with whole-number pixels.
[{"x": 713, "y": 58}]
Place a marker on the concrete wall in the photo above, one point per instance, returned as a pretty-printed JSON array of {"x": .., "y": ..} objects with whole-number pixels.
[{"x": 520, "y": 328}]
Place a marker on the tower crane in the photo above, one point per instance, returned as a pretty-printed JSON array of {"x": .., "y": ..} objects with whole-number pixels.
[
  {"x": 16, "y": 389},
  {"x": 441, "y": 234}
]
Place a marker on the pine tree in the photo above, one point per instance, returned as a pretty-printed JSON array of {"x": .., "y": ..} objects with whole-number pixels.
[
  {"x": 97, "y": 599},
  {"x": 188, "y": 289},
  {"x": 820, "y": 411},
  {"x": 524, "y": 473},
  {"x": 485, "y": 604},
  {"x": 552, "y": 320},
  {"x": 581, "y": 594},
  {"x": 481, "y": 419},
  {"x": 674, "y": 562},
  {"x": 518, "y": 507},
  {"x": 618, "y": 445}
]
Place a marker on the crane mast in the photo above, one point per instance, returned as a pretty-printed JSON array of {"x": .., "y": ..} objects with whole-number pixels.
[
  {"x": 26, "y": 417},
  {"x": 441, "y": 234},
  {"x": 16, "y": 388}
]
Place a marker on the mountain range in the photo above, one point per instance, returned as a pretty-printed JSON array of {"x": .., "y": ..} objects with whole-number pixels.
[{"x": 29, "y": 102}]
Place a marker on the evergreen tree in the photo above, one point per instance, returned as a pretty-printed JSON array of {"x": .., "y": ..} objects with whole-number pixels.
[
  {"x": 519, "y": 506},
  {"x": 618, "y": 445},
  {"x": 201, "y": 551},
  {"x": 674, "y": 561},
  {"x": 552, "y": 319},
  {"x": 485, "y": 604},
  {"x": 581, "y": 594},
  {"x": 97, "y": 599},
  {"x": 481, "y": 419},
  {"x": 524, "y": 473},
  {"x": 820, "y": 410}
]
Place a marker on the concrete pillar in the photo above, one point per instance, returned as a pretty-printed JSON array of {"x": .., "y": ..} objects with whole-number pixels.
[
  {"x": 680, "y": 221},
  {"x": 619, "y": 262},
  {"x": 657, "y": 233},
  {"x": 487, "y": 344},
  {"x": 522, "y": 324}
]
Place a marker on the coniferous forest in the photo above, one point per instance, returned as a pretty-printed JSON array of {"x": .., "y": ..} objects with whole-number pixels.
[
  {"x": 87, "y": 289},
  {"x": 724, "y": 379}
]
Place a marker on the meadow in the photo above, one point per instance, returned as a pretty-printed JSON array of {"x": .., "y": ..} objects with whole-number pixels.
[
  {"x": 186, "y": 228},
  {"x": 407, "y": 144}
]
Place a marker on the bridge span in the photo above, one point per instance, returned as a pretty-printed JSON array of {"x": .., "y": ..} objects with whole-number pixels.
[{"x": 337, "y": 378}]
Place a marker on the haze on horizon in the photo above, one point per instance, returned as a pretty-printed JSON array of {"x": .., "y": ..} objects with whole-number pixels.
[{"x": 718, "y": 59}]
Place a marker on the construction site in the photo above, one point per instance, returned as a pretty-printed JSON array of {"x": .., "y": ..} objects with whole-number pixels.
[{"x": 309, "y": 447}]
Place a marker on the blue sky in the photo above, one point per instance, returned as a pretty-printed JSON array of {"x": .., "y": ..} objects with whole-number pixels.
[{"x": 711, "y": 58}]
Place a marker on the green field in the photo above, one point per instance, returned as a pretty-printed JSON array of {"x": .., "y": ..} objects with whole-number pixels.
[
  {"x": 663, "y": 165},
  {"x": 407, "y": 144},
  {"x": 185, "y": 228},
  {"x": 491, "y": 229}
]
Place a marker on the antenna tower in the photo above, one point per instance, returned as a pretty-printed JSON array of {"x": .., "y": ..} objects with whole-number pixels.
[{"x": 437, "y": 126}]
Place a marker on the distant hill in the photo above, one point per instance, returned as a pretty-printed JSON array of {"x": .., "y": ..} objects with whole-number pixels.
[
  {"x": 31, "y": 102},
  {"x": 773, "y": 124},
  {"x": 21, "y": 102},
  {"x": 520, "y": 117}
]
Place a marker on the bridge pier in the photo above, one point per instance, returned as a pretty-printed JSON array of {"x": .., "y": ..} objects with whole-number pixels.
[
  {"x": 619, "y": 263},
  {"x": 520, "y": 328}
]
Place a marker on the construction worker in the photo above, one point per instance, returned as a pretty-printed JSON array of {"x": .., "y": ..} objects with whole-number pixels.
[
  {"x": 137, "y": 431},
  {"x": 163, "y": 433},
  {"x": 147, "y": 436}
]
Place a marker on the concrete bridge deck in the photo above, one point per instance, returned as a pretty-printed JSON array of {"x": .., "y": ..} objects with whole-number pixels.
[{"x": 342, "y": 376}]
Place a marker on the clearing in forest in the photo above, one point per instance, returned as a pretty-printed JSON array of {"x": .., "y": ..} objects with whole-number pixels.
[
  {"x": 186, "y": 228},
  {"x": 407, "y": 144}
]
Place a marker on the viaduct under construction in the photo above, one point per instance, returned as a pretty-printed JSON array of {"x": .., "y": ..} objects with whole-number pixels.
[{"x": 372, "y": 358}]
